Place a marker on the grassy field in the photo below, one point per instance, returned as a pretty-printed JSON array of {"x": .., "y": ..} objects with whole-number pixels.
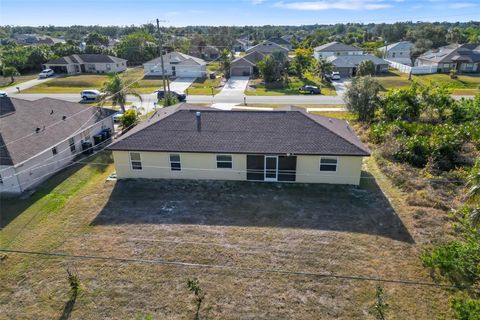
[
  {"x": 319, "y": 229},
  {"x": 203, "y": 86},
  {"x": 77, "y": 83},
  {"x": 5, "y": 81},
  {"x": 463, "y": 85},
  {"x": 292, "y": 88}
]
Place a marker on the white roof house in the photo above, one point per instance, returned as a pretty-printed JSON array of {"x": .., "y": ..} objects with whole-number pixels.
[
  {"x": 176, "y": 64},
  {"x": 398, "y": 52},
  {"x": 87, "y": 63},
  {"x": 335, "y": 49}
]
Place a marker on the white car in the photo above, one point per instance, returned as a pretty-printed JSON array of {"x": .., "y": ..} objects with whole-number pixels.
[
  {"x": 90, "y": 94},
  {"x": 117, "y": 116},
  {"x": 335, "y": 75},
  {"x": 3, "y": 94},
  {"x": 46, "y": 73}
]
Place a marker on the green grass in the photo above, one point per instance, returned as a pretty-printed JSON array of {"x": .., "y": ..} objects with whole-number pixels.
[
  {"x": 463, "y": 85},
  {"x": 265, "y": 105},
  {"x": 336, "y": 114},
  {"x": 5, "y": 81},
  {"x": 292, "y": 88},
  {"x": 214, "y": 66},
  {"x": 77, "y": 83},
  {"x": 203, "y": 86}
]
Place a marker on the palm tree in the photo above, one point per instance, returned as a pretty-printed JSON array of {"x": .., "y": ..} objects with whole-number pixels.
[
  {"x": 323, "y": 67},
  {"x": 116, "y": 89},
  {"x": 226, "y": 62}
]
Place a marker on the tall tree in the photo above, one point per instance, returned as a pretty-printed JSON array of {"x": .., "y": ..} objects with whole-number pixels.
[
  {"x": 361, "y": 97},
  {"x": 137, "y": 47},
  {"x": 226, "y": 60},
  {"x": 323, "y": 67},
  {"x": 117, "y": 90},
  {"x": 366, "y": 68}
]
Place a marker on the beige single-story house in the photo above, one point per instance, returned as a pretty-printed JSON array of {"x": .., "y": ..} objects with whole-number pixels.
[
  {"x": 38, "y": 138},
  {"x": 286, "y": 145},
  {"x": 176, "y": 64},
  {"x": 347, "y": 65},
  {"x": 87, "y": 63},
  {"x": 246, "y": 65}
]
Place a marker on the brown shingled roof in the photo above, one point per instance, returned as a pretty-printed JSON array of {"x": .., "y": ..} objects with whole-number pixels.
[{"x": 294, "y": 131}]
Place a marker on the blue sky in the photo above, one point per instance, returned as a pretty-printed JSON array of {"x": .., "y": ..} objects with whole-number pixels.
[{"x": 232, "y": 12}]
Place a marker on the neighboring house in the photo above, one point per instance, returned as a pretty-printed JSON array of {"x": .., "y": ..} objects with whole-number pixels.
[
  {"x": 246, "y": 65},
  {"x": 87, "y": 63},
  {"x": 282, "y": 42},
  {"x": 176, "y": 64},
  {"x": 112, "y": 43},
  {"x": 398, "y": 52},
  {"x": 267, "y": 47},
  {"x": 208, "y": 53},
  {"x": 287, "y": 145},
  {"x": 335, "y": 49},
  {"x": 465, "y": 58},
  {"x": 38, "y": 138},
  {"x": 241, "y": 45},
  {"x": 347, "y": 65},
  {"x": 34, "y": 39}
]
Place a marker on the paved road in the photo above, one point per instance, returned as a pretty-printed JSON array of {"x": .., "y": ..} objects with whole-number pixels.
[{"x": 25, "y": 85}]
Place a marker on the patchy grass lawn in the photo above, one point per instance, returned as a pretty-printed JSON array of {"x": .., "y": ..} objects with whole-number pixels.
[
  {"x": 336, "y": 114},
  {"x": 214, "y": 66},
  {"x": 204, "y": 86},
  {"x": 277, "y": 89},
  {"x": 320, "y": 229},
  {"x": 394, "y": 79},
  {"x": 77, "y": 83},
  {"x": 463, "y": 85},
  {"x": 5, "y": 81},
  {"x": 266, "y": 105}
]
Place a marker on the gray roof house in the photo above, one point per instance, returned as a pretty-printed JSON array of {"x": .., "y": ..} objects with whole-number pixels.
[
  {"x": 267, "y": 47},
  {"x": 246, "y": 65},
  {"x": 194, "y": 142},
  {"x": 38, "y": 138},
  {"x": 347, "y": 64},
  {"x": 282, "y": 42},
  {"x": 335, "y": 49},
  {"x": 465, "y": 58},
  {"x": 176, "y": 64},
  {"x": 398, "y": 52},
  {"x": 87, "y": 63}
]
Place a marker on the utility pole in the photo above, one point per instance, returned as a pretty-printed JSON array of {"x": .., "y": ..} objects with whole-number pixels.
[{"x": 166, "y": 94}]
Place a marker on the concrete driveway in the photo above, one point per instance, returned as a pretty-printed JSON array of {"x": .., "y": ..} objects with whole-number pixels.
[
  {"x": 26, "y": 85},
  {"x": 235, "y": 86},
  {"x": 179, "y": 85},
  {"x": 340, "y": 86}
]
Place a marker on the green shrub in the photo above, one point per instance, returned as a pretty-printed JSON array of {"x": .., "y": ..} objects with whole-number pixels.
[{"x": 466, "y": 308}]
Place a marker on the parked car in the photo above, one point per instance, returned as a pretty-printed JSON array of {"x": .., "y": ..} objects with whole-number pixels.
[
  {"x": 335, "y": 75},
  {"x": 90, "y": 94},
  {"x": 180, "y": 96},
  {"x": 117, "y": 116},
  {"x": 3, "y": 94},
  {"x": 310, "y": 89},
  {"x": 46, "y": 73}
]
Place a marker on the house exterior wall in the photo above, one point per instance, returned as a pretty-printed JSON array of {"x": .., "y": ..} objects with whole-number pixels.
[
  {"x": 192, "y": 71},
  {"x": 156, "y": 165},
  {"x": 75, "y": 68},
  {"x": 40, "y": 167},
  {"x": 326, "y": 54},
  {"x": 9, "y": 180}
]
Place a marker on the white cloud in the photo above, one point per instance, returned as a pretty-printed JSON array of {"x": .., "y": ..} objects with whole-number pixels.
[
  {"x": 338, "y": 4},
  {"x": 257, "y": 1}
]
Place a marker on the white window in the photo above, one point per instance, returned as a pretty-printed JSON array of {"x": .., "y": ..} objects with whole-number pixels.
[
  {"x": 71, "y": 142},
  {"x": 328, "y": 164},
  {"x": 175, "y": 164},
  {"x": 54, "y": 150},
  {"x": 224, "y": 161},
  {"x": 135, "y": 161}
]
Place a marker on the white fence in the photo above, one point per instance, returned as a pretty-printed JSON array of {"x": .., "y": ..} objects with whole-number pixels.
[{"x": 414, "y": 70}]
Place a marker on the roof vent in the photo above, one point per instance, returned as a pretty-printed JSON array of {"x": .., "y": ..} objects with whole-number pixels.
[
  {"x": 64, "y": 118},
  {"x": 37, "y": 130},
  {"x": 198, "y": 116},
  {"x": 51, "y": 112},
  {"x": 330, "y": 120}
]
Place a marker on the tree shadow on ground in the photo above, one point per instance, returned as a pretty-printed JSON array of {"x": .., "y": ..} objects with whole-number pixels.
[{"x": 362, "y": 209}]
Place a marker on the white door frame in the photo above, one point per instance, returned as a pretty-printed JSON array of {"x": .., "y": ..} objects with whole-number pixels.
[{"x": 276, "y": 169}]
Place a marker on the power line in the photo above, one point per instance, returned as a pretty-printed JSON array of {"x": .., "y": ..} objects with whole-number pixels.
[{"x": 226, "y": 267}]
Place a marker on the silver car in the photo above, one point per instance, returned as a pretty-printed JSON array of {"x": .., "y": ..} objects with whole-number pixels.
[
  {"x": 90, "y": 94},
  {"x": 46, "y": 73}
]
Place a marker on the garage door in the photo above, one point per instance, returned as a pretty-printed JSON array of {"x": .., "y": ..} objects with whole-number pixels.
[{"x": 241, "y": 71}]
